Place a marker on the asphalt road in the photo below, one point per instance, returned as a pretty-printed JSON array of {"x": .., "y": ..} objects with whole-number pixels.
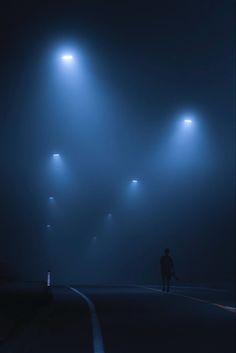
[{"x": 135, "y": 319}]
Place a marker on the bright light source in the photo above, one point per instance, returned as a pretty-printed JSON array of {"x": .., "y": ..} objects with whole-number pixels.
[
  {"x": 187, "y": 121},
  {"x": 134, "y": 181},
  {"x": 51, "y": 198},
  {"x": 67, "y": 58},
  {"x": 56, "y": 161}
]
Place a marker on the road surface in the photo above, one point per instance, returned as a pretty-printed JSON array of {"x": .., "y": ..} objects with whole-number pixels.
[{"x": 129, "y": 319}]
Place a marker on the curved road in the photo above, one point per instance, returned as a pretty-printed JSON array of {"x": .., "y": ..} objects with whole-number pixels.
[{"x": 137, "y": 319}]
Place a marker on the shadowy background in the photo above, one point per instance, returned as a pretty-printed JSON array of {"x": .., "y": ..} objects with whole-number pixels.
[{"x": 140, "y": 68}]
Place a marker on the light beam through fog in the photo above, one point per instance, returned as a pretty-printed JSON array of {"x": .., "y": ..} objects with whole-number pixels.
[{"x": 121, "y": 145}]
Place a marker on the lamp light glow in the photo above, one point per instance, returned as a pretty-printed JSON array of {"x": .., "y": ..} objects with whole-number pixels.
[
  {"x": 67, "y": 57},
  {"x": 187, "y": 121}
]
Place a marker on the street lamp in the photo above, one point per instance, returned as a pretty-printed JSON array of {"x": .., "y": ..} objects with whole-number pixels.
[
  {"x": 188, "y": 121},
  {"x": 67, "y": 57}
]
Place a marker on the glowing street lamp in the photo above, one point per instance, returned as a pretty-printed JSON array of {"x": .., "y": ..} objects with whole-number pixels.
[
  {"x": 67, "y": 58},
  {"x": 188, "y": 121}
]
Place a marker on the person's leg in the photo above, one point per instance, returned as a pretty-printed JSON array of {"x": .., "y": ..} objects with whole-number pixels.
[
  {"x": 163, "y": 282},
  {"x": 168, "y": 283}
]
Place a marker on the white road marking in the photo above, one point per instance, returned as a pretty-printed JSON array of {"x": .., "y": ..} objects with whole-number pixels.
[
  {"x": 193, "y": 287},
  {"x": 98, "y": 346},
  {"x": 201, "y": 288},
  {"x": 224, "y": 307},
  {"x": 228, "y": 308}
]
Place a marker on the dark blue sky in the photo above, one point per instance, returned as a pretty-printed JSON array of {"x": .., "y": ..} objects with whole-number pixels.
[{"x": 142, "y": 66}]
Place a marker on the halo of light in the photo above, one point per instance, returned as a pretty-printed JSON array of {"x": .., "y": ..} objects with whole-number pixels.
[
  {"x": 188, "y": 121},
  {"x": 67, "y": 57}
]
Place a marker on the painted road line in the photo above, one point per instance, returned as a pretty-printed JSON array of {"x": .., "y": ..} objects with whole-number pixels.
[
  {"x": 224, "y": 307},
  {"x": 201, "y": 288},
  {"x": 229, "y": 308},
  {"x": 98, "y": 346},
  {"x": 193, "y": 287}
]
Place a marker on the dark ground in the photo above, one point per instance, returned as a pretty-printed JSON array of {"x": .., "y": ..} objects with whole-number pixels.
[
  {"x": 19, "y": 303},
  {"x": 133, "y": 319}
]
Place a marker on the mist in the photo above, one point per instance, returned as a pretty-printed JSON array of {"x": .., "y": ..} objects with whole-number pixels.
[{"x": 104, "y": 135}]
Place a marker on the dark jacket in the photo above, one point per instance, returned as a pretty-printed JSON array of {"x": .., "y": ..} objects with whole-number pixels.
[{"x": 167, "y": 265}]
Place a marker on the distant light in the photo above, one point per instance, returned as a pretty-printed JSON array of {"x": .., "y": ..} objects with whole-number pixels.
[
  {"x": 67, "y": 58},
  {"x": 49, "y": 279},
  {"x": 51, "y": 198},
  {"x": 134, "y": 181},
  {"x": 188, "y": 121},
  {"x": 56, "y": 155},
  {"x": 48, "y": 226}
]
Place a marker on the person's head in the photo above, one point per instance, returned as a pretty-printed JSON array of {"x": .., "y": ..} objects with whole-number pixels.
[{"x": 167, "y": 251}]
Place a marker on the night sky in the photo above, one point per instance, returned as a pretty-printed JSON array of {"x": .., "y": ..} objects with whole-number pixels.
[{"x": 116, "y": 116}]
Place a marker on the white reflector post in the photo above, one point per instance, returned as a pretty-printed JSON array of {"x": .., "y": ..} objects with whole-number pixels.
[{"x": 49, "y": 279}]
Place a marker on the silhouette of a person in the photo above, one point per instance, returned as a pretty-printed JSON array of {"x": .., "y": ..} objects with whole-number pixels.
[{"x": 167, "y": 269}]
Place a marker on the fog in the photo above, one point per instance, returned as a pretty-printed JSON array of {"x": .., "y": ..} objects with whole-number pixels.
[{"x": 104, "y": 136}]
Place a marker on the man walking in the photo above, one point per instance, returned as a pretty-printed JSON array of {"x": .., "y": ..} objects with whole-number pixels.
[{"x": 167, "y": 269}]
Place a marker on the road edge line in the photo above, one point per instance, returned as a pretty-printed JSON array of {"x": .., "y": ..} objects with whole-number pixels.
[
  {"x": 98, "y": 346},
  {"x": 224, "y": 307}
]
